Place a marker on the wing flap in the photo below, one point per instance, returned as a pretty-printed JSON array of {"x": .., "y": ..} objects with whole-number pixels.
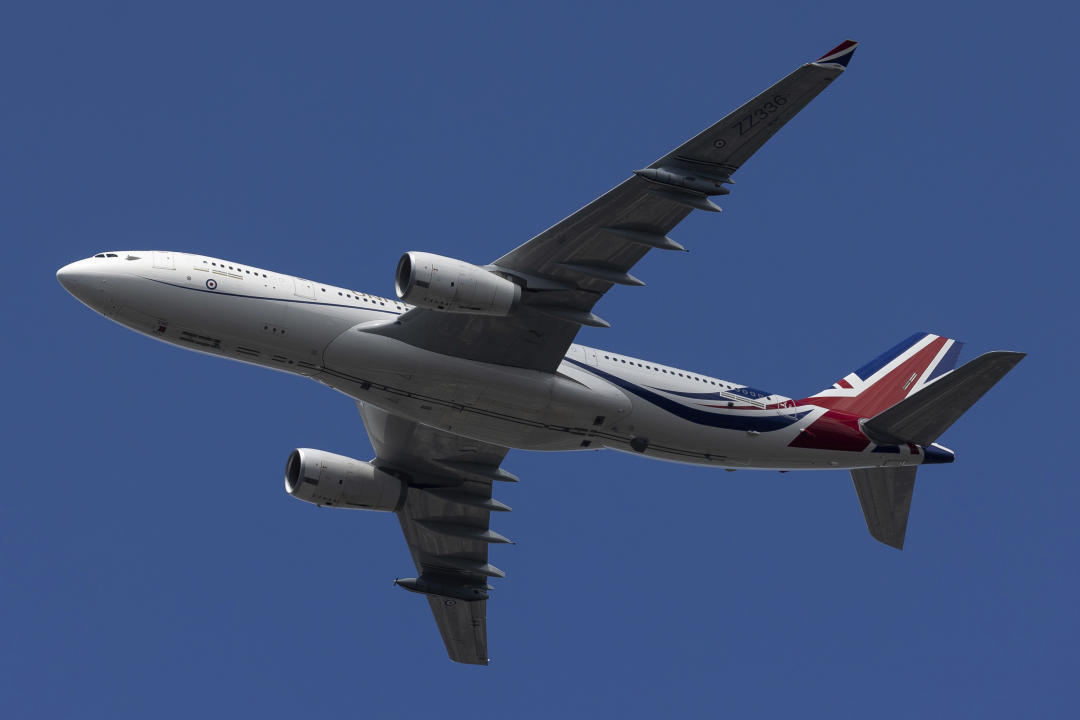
[{"x": 584, "y": 236}]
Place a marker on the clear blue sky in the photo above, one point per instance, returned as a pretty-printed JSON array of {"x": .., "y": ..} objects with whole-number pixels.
[{"x": 152, "y": 564}]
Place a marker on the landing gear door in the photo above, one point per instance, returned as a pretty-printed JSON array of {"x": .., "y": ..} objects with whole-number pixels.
[{"x": 164, "y": 260}]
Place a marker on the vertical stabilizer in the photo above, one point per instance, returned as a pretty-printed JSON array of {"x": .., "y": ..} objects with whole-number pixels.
[
  {"x": 897, "y": 373},
  {"x": 922, "y": 418}
]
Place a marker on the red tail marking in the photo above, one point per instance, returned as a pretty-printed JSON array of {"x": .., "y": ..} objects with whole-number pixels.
[
  {"x": 887, "y": 391},
  {"x": 833, "y": 431}
]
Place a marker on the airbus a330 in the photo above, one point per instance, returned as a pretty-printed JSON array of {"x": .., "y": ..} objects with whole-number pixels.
[{"x": 469, "y": 361}]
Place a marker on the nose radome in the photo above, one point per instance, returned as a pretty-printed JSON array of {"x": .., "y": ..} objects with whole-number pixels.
[
  {"x": 84, "y": 279},
  {"x": 68, "y": 276}
]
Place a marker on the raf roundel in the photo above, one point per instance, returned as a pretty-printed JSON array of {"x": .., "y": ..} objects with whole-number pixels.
[{"x": 212, "y": 284}]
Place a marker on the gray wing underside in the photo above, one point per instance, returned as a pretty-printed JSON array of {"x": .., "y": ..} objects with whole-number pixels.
[
  {"x": 885, "y": 496},
  {"x": 463, "y": 626},
  {"x": 718, "y": 151},
  {"x": 567, "y": 268},
  {"x": 443, "y": 507}
]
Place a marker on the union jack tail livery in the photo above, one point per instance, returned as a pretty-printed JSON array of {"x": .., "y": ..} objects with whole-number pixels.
[
  {"x": 896, "y": 374},
  {"x": 909, "y": 395}
]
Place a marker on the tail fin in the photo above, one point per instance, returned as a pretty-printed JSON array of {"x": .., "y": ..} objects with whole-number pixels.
[
  {"x": 897, "y": 373},
  {"x": 921, "y": 417}
]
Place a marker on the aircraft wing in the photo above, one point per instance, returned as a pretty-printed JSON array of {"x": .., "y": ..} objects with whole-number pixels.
[
  {"x": 446, "y": 522},
  {"x": 566, "y": 269}
]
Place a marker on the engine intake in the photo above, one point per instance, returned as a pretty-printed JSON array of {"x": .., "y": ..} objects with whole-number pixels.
[
  {"x": 323, "y": 478},
  {"x": 442, "y": 283}
]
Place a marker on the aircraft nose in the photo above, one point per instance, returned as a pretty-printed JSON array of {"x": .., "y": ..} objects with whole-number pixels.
[
  {"x": 74, "y": 277},
  {"x": 84, "y": 280},
  {"x": 67, "y": 276}
]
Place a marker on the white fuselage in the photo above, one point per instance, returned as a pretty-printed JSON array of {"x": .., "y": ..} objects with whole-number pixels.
[{"x": 596, "y": 399}]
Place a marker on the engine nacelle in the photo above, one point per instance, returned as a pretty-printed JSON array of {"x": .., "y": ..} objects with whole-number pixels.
[
  {"x": 442, "y": 283},
  {"x": 324, "y": 478}
]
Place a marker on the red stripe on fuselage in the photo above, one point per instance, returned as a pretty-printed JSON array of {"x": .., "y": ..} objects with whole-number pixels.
[{"x": 835, "y": 430}]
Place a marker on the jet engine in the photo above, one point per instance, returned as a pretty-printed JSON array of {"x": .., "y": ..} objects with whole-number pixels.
[
  {"x": 323, "y": 478},
  {"x": 442, "y": 283}
]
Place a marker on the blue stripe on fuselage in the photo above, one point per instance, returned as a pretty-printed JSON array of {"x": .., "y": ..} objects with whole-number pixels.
[
  {"x": 747, "y": 393},
  {"x": 700, "y": 417}
]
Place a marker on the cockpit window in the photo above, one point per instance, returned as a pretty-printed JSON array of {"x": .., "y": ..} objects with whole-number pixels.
[
  {"x": 110, "y": 255},
  {"x": 100, "y": 255}
]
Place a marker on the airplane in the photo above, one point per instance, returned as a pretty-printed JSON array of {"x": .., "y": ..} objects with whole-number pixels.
[{"x": 470, "y": 361}]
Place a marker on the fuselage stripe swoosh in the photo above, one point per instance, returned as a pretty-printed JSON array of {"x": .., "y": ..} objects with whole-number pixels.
[{"x": 700, "y": 417}]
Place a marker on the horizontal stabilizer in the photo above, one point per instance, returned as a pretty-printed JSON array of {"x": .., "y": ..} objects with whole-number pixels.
[
  {"x": 885, "y": 496},
  {"x": 925, "y": 415}
]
